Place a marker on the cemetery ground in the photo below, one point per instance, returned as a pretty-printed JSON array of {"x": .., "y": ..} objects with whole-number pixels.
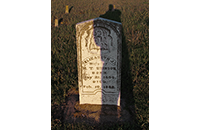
[{"x": 135, "y": 59}]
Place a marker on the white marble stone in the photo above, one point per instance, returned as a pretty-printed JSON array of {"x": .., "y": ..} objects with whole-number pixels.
[{"x": 99, "y": 44}]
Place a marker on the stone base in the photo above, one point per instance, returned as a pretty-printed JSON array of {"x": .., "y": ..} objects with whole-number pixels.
[{"x": 73, "y": 112}]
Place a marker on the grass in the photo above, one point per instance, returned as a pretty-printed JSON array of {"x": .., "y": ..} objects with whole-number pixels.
[
  {"x": 135, "y": 55},
  {"x": 80, "y": 126}
]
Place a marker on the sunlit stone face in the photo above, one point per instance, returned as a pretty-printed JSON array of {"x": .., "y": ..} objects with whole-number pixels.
[{"x": 99, "y": 61}]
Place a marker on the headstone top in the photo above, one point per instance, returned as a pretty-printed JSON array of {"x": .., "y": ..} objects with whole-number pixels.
[{"x": 99, "y": 18}]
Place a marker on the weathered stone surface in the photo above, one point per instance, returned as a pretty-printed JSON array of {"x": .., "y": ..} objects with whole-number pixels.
[{"x": 99, "y": 61}]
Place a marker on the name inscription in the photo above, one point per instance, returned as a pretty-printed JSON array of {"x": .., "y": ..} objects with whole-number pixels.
[{"x": 99, "y": 75}]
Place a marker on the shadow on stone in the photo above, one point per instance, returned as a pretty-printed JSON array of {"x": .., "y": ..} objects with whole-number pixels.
[{"x": 127, "y": 85}]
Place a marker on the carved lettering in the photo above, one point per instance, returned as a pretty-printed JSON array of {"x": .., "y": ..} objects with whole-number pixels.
[
  {"x": 111, "y": 87},
  {"x": 97, "y": 86}
]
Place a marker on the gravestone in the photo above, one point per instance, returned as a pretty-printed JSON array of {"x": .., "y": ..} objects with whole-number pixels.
[{"x": 99, "y": 43}]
